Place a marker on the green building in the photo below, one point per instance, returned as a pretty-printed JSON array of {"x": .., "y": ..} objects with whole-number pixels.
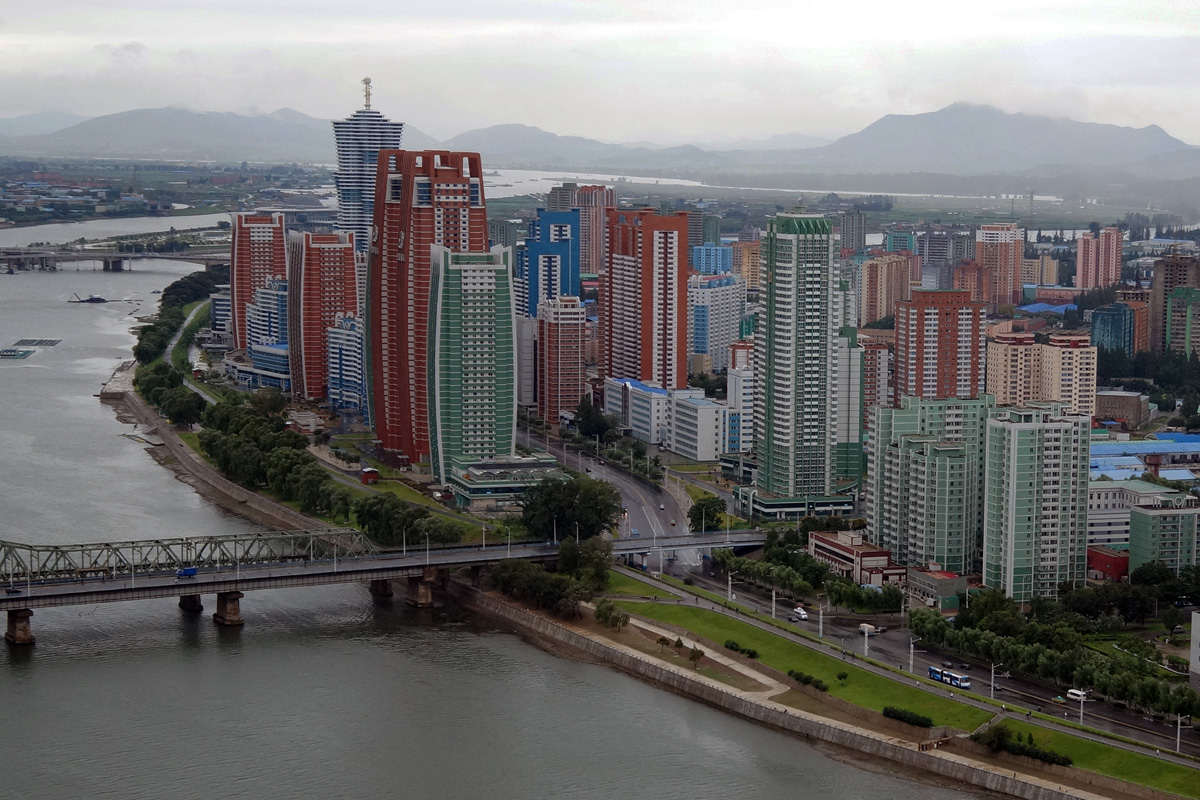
[
  {"x": 1164, "y": 530},
  {"x": 1035, "y": 500},
  {"x": 923, "y": 493},
  {"x": 1182, "y": 320}
]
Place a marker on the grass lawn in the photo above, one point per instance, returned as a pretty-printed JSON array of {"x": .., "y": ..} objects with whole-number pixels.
[
  {"x": 620, "y": 583},
  {"x": 1114, "y": 761},
  {"x": 692, "y": 468},
  {"x": 696, "y": 493},
  {"x": 862, "y": 688},
  {"x": 406, "y": 492}
]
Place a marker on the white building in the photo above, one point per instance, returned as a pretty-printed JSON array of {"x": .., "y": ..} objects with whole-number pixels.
[
  {"x": 347, "y": 385},
  {"x": 716, "y": 305},
  {"x": 359, "y": 138},
  {"x": 695, "y": 427},
  {"x": 739, "y": 391},
  {"x": 1109, "y": 504},
  {"x": 641, "y": 407}
]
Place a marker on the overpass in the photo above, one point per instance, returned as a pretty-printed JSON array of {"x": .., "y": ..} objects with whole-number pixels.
[
  {"x": 14, "y": 259},
  {"x": 46, "y": 576}
]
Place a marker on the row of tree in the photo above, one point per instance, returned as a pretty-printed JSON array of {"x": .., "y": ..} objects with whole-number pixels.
[
  {"x": 162, "y": 385},
  {"x": 583, "y": 569}
]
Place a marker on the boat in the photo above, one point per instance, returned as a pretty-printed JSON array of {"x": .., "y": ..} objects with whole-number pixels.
[{"x": 91, "y": 298}]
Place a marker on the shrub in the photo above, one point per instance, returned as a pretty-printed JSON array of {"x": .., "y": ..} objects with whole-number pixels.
[
  {"x": 842, "y": 676},
  {"x": 911, "y": 717},
  {"x": 730, "y": 644},
  {"x": 820, "y": 685},
  {"x": 688, "y": 582},
  {"x": 750, "y": 652},
  {"x": 808, "y": 680},
  {"x": 999, "y": 737}
]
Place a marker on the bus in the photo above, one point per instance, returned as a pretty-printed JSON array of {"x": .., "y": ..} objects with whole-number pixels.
[{"x": 947, "y": 676}]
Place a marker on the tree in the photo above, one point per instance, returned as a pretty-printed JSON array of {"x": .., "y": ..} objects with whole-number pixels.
[
  {"x": 678, "y": 643},
  {"x": 706, "y": 512},
  {"x": 557, "y": 507},
  {"x": 182, "y": 406},
  {"x": 663, "y": 643},
  {"x": 568, "y": 557},
  {"x": 1172, "y": 616},
  {"x": 589, "y": 420},
  {"x": 595, "y": 561},
  {"x": 694, "y": 656}
]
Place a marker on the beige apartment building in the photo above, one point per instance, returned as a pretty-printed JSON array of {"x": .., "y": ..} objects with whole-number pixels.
[{"x": 1020, "y": 371}]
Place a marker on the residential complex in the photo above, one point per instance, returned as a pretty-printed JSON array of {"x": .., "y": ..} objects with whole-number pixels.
[
  {"x": 1098, "y": 258},
  {"x": 1000, "y": 248},
  {"x": 321, "y": 290},
  {"x": 1171, "y": 272},
  {"x": 593, "y": 203},
  {"x": 1020, "y": 370},
  {"x": 940, "y": 341},
  {"x": 712, "y": 259},
  {"x": 716, "y": 303},
  {"x": 745, "y": 262},
  {"x": 359, "y": 139},
  {"x": 258, "y": 255},
  {"x": 560, "y": 376},
  {"x": 347, "y": 376},
  {"x": 1163, "y": 530},
  {"x": 886, "y": 280},
  {"x": 548, "y": 266},
  {"x": 1123, "y": 325},
  {"x": 852, "y": 229}
]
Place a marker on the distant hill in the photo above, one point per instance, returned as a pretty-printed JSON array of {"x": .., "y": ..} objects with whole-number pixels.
[
  {"x": 283, "y": 136},
  {"x": 42, "y": 122}
]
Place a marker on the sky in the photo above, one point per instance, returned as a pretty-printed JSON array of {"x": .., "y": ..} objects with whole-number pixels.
[{"x": 666, "y": 71}]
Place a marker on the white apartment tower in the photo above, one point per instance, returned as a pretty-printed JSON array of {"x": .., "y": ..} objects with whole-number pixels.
[{"x": 359, "y": 138}]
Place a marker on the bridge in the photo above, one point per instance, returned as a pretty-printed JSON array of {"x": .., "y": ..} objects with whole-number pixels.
[
  {"x": 14, "y": 259},
  {"x": 46, "y": 576}
]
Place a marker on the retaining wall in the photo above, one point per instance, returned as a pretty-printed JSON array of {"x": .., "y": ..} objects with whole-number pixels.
[
  {"x": 805, "y": 725},
  {"x": 266, "y": 510}
]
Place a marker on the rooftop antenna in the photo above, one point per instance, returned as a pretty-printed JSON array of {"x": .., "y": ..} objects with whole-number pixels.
[
  {"x": 800, "y": 205},
  {"x": 366, "y": 82}
]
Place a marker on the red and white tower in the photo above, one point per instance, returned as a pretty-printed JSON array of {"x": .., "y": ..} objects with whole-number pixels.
[
  {"x": 257, "y": 256},
  {"x": 321, "y": 288}
]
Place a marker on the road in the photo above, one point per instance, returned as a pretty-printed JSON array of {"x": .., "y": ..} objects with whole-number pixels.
[{"x": 891, "y": 647}]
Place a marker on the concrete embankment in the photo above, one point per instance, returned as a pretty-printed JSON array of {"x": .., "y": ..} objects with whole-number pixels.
[
  {"x": 957, "y": 762},
  {"x": 222, "y": 490}
]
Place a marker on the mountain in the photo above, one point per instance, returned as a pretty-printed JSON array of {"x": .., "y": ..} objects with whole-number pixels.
[
  {"x": 966, "y": 139},
  {"x": 177, "y": 134},
  {"x": 780, "y": 141},
  {"x": 42, "y": 122}
]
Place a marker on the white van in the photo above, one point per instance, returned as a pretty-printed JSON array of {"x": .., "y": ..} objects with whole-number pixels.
[{"x": 1076, "y": 694}]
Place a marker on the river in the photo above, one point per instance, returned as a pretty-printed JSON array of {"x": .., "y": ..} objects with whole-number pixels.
[{"x": 323, "y": 693}]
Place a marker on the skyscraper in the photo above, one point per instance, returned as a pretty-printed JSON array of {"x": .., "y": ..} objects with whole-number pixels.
[
  {"x": 359, "y": 138},
  {"x": 472, "y": 359},
  {"x": 347, "y": 379},
  {"x": 643, "y": 318},
  {"x": 1020, "y": 371},
  {"x": 940, "y": 339},
  {"x": 853, "y": 228},
  {"x": 1001, "y": 248},
  {"x": 717, "y": 303},
  {"x": 426, "y": 198},
  {"x": 548, "y": 265},
  {"x": 592, "y": 203},
  {"x": 746, "y": 262},
  {"x": 1170, "y": 273},
  {"x": 794, "y": 370},
  {"x": 1098, "y": 259},
  {"x": 321, "y": 289},
  {"x": 885, "y": 282},
  {"x": 560, "y": 375},
  {"x": 1035, "y": 501},
  {"x": 258, "y": 255}
]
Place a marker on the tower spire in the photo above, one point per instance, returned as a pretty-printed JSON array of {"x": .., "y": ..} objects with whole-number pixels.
[{"x": 366, "y": 82}]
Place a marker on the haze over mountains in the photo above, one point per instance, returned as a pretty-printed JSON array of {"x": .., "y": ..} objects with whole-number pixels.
[{"x": 960, "y": 139}]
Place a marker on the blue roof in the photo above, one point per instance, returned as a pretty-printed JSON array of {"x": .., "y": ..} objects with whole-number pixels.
[
  {"x": 1142, "y": 447},
  {"x": 1177, "y": 437},
  {"x": 1039, "y": 308},
  {"x": 1176, "y": 474},
  {"x": 636, "y": 384},
  {"x": 1115, "y": 474},
  {"x": 1106, "y": 462}
]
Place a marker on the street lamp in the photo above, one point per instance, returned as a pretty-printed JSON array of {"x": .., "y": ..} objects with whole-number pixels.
[
  {"x": 866, "y": 646},
  {"x": 1178, "y": 727},
  {"x": 729, "y": 585},
  {"x": 911, "y": 642},
  {"x": 992, "y": 694}
]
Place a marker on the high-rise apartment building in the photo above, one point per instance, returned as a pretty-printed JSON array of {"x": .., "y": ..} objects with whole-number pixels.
[
  {"x": 716, "y": 303},
  {"x": 1182, "y": 331},
  {"x": 1000, "y": 247},
  {"x": 745, "y": 263},
  {"x": 877, "y": 387},
  {"x": 1115, "y": 326},
  {"x": 264, "y": 364},
  {"x": 347, "y": 377},
  {"x": 1021, "y": 371},
  {"x": 1035, "y": 500},
  {"x": 940, "y": 339},
  {"x": 359, "y": 139},
  {"x": 924, "y": 488},
  {"x": 885, "y": 282},
  {"x": 425, "y": 198},
  {"x": 549, "y": 264},
  {"x": 560, "y": 375},
  {"x": 1171, "y": 272},
  {"x": 852, "y": 226},
  {"x": 1164, "y": 530},
  {"x": 1042, "y": 270},
  {"x": 472, "y": 359},
  {"x": 322, "y": 287},
  {"x": 975, "y": 279},
  {"x": 643, "y": 318},
  {"x": 1098, "y": 258},
  {"x": 258, "y": 255},
  {"x": 794, "y": 368},
  {"x": 593, "y": 203},
  {"x": 712, "y": 259}
]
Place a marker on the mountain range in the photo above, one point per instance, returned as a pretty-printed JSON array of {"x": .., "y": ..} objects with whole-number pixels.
[{"x": 960, "y": 139}]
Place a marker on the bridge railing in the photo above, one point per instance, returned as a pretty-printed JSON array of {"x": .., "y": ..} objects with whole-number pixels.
[{"x": 21, "y": 563}]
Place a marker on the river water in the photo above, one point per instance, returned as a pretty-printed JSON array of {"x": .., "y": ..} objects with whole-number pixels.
[{"x": 323, "y": 693}]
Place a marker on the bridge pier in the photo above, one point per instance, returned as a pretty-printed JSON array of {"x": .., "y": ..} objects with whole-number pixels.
[
  {"x": 441, "y": 578},
  {"x": 477, "y": 575},
  {"x": 229, "y": 609},
  {"x": 114, "y": 264},
  {"x": 420, "y": 592},
  {"x": 190, "y": 602},
  {"x": 18, "y": 626},
  {"x": 381, "y": 588}
]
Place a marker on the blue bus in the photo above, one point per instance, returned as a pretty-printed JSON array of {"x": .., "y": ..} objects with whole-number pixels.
[{"x": 953, "y": 678}]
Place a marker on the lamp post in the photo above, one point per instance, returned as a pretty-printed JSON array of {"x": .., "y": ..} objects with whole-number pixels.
[
  {"x": 992, "y": 693},
  {"x": 821, "y": 622},
  {"x": 911, "y": 651},
  {"x": 1178, "y": 727},
  {"x": 866, "y": 646},
  {"x": 427, "y": 548},
  {"x": 772, "y": 602},
  {"x": 1081, "y": 699},
  {"x": 729, "y": 585}
]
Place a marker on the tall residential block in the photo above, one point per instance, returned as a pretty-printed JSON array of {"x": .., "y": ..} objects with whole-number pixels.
[
  {"x": 258, "y": 255},
  {"x": 1164, "y": 529},
  {"x": 794, "y": 368},
  {"x": 716, "y": 304},
  {"x": 1182, "y": 329},
  {"x": 886, "y": 280},
  {"x": 746, "y": 257},
  {"x": 643, "y": 319},
  {"x": 425, "y": 198},
  {"x": 472, "y": 359},
  {"x": 1035, "y": 500},
  {"x": 549, "y": 264},
  {"x": 924, "y": 488},
  {"x": 264, "y": 364},
  {"x": 1098, "y": 258},
  {"x": 712, "y": 259},
  {"x": 975, "y": 279},
  {"x": 1171, "y": 272},
  {"x": 877, "y": 389},
  {"x": 347, "y": 377},
  {"x": 1042, "y": 271},
  {"x": 359, "y": 139},
  {"x": 1000, "y": 247},
  {"x": 322, "y": 287},
  {"x": 1020, "y": 371},
  {"x": 560, "y": 374},
  {"x": 852, "y": 226},
  {"x": 940, "y": 339}
]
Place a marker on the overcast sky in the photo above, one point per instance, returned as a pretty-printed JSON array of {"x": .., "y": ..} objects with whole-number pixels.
[{"x": 655, "y": 70}]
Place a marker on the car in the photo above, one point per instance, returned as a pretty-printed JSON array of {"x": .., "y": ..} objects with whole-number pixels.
[
  {"x": 793, "y": 619},
  {"x": 1177, "y": 629},
  {"x": 672, "y": 522},
  {"x": 948, "y": 664},
  {"x": 12, "y": 590},
  {"x": 662, "y": 507},
  {"x": 802, "y": 614},
  {"x": 1060, "y": 700},
  {"x": 634, "y": 534},
  {"x": 964, "y": 666}
]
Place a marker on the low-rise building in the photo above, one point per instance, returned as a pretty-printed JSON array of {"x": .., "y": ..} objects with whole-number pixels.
[
  {"x": 1107, "y": 564},
  {"x": 936, "y": 588},
  {"x": 641, "y": 407},
  {"x": 695, "y": 427},
  {"x": 1109, "y": 504},
  {"x": 1131, "y": 409},
  {"x": 848, "y": 555}
]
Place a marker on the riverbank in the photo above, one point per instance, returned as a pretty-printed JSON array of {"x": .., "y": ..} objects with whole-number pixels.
[{"x": 955, "y": 759}]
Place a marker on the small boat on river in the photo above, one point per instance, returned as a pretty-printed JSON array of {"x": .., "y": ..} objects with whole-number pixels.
[{"x": 91, "y": 298}]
